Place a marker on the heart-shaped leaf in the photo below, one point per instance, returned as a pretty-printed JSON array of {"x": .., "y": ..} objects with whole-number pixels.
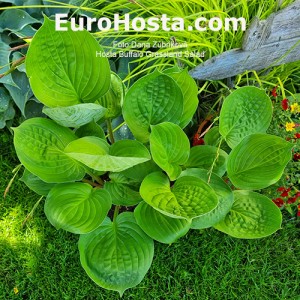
[
  {"x": 169, "y": 147},
  {"x": 39, "y": 144},
  {"x": 252, "y": 216},
  {"x": 77, "y": 207},
  {"x": 65, "y": 67},
  {"x": 223, "y": 193},
  {"x": 258, "y": 161},
  {"x": 93, "y": 153},
  {"x": 153, "y": 99},
  {"x": 118, "y": 254},
  {"x": 190, "y": 93},
  {"x": 75, "y": 115},
  {"x": 206, "y": 157},
  {"x": 189, "y": 198},
  {"x": 159, "y": 226},
  {"x": 246, "y": 111}
]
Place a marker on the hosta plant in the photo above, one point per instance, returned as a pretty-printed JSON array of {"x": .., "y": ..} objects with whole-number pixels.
[{"x": 121, "y": 195}]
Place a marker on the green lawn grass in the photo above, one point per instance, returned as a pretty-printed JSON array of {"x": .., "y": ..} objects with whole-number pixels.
[{"x": 42, "y": 263}]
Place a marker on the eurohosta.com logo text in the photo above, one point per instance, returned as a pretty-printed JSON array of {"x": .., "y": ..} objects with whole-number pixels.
[{"x": 164, "y": 23}]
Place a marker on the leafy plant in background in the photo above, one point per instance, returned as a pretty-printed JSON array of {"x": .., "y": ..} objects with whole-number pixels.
[
  {"x": 18, "y": 22},
  {"x": 121, "y": 195}
]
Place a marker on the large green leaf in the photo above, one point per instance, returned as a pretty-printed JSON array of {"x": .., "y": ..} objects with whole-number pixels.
[
  {"x": 159, "y": 226},
  {"x": 113, "y": 99},
  {"x": 190, "y": 93},
  {"x": 77, "y": 207},
  {"x": 5, "y": 63},
  {"x": 258, "y": 161},
  {"x": 204, "y": 157},
  {"x": 169, "y": 147},
  {"x": 246, "y": 111},
  {"x": 122, "y": 190},
  {"x": 189, "y": 198},
  {"x": 223, "y": 192},
  {"x": 63, "y": 67},
  {"x": 40, "y": 144},
  {"x": 96, "y": 154},
  {"x": 76, "y": 115},
  {"x": 153, "y": 99},
  {"x": 36, "y": 184},
  {"x": 118, "y": 254},
  {"x": 252, "y": 216}
]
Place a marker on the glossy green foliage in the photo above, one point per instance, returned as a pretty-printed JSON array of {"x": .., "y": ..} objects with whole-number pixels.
[
  {"x": 89, "y": 169},
  {"x": 76, "y": 115},
  {"x": 118, "y": 254},
  {"x": 246, "y": 111},
  {"x": 95, "y": 153},
  {"x": 189, "y": 198},
  {"x": 63, "y": 67},
  {"x": 223, "y": 192},
  {"x": 159, "y": 226},
  {"x": 40, "y": 145},
  {"x": 77, "y": 207},
  {"x": 170, "y": 148},
  {"x": 258, "y": 161},
  {"x": 251, "y": 216},
  {"x": 153, "y": 99}
]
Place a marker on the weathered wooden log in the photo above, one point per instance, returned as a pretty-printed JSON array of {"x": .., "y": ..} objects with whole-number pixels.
[{"x": 266, "y": 43}]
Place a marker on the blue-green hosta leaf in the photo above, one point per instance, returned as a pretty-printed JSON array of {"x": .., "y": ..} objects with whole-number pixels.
[
  {"x": 258, "y": 161},
  {"x": 118, "y": 254},
  {"x": 204, "y": 156},
  {"x": 7, "y": 115},
  {"x": 122, "y": 190},
  {"x": 153, "y": 99},
  {"x": 76, "y": 115},
  {"x": 159, "y": 226},
  {"x": 252, "y": 216},
  {"x": 223, "y": 192},
  {"x": 189, "y": 198},
  {"x": 21, "y": 92},
  {"x": 5, "y": 63},
  {"x": 4, "y": 99},
  {"x": 40, "y": 144},
  {"x": 77, "y": 207},
  {"x": 113, "y": 99},
  {"x": 36, "y": 184},
  {"x": 63, "y": 67},
  {"x": 120, "y": 156},
  {"x": 169, "y": 147},
  {"x": 190, "y": 93},
  {"x": 246, "y": 111},
  {"x": 90, "y": 129},
  {"x": 15, "y": 20}
]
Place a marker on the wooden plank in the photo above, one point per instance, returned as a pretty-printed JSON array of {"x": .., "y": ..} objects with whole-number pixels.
[{"x": 266, "y": 43}]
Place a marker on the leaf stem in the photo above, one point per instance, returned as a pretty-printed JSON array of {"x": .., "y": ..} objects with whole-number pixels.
[
  {"x": 96, "y": 178},
  {"x": 110, "y": 131}
]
